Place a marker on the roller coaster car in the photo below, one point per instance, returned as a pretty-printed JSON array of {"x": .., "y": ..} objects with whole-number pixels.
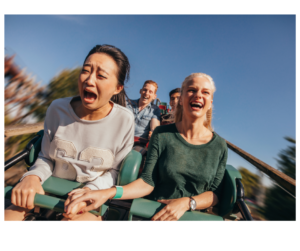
[{"x": 51, "y": 207}]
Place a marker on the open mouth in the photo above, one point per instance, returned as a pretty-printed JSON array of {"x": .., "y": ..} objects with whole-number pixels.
[
  {"x": 196, "y": 106},
  {"x": 88, "y": 96},
  {"x": 146, "y": 98}
]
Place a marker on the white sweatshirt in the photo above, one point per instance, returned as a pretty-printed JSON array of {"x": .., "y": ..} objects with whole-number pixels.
[{"x": 86, "y": 151}]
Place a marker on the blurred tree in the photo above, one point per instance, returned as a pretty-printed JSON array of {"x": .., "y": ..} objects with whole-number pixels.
[
  {"x": 63, "y": 85},
  {"x": 287, "y": 159},
  {"x": 25, "y": 99},
  {"x": 251, "y": 182},
  {"x": 20, "y": 92},
  {"x": 279, "y": 205}
]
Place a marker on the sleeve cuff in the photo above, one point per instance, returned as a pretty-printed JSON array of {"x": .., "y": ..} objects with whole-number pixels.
[
  {"x": 147, "y": 181},
  {"x": 36, "y": 173},
  {"x": 92, "y": 186}
]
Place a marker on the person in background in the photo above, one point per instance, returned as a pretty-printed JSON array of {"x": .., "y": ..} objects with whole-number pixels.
[
  {"x": 146, "y": 114},
  {"x": 174, "y": 98}
]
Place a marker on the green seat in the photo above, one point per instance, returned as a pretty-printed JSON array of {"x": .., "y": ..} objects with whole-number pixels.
[
  {"x": 229, "y": 194},
  {"x": 128, "y": 172},
  {"x": 35, "y": 149},
  {"x": 146, "y": 209},
  {"x": 163, "y": 111}
]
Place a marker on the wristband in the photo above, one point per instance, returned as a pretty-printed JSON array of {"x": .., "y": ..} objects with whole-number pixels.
[{"x": 119, "y": 192}]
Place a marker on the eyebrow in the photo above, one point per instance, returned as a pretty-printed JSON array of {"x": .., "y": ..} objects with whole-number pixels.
[{"x": 89, "y": 65}]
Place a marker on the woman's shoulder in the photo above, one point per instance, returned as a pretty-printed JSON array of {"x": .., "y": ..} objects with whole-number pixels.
[
  {"x": 61, "y": 103},
  {"x": 220, "y": 141},
  {"x": 58, "y": 113},
  {"x": 123, "y": 112},
  {"x": 58, "y": 105}
]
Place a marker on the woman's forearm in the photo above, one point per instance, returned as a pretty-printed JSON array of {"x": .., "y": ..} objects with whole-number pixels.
[
  {"x": 206, "y": 200},
  {"x": 135, "y": 189}
]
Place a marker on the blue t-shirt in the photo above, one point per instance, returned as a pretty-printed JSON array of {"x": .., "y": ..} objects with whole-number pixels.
[{"x": 142, "y": 118}]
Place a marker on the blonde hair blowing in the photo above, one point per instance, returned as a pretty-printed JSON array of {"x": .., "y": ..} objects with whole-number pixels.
[{"x": 179, "y": 108}]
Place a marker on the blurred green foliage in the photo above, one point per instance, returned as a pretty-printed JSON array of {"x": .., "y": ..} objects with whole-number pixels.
[
  {"x": 63, "y": 85},
  {"x": 279, "y": 205},
  {"x": 287, "y": 159},
  {"x": 250, "y": 181}
]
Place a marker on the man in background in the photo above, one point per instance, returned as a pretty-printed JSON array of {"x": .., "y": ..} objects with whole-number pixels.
[
  {"x": 146, "y": 115},
  {"x": 174, "y": 99}
]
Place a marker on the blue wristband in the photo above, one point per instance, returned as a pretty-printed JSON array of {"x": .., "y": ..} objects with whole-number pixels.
[{"x": 119, "y": 192}]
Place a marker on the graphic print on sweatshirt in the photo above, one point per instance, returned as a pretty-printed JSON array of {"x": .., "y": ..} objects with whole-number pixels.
[{"x": 91, "y": 162}]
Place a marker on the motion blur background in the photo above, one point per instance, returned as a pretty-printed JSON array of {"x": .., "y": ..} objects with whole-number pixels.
[{"x": 251, "y": 59}]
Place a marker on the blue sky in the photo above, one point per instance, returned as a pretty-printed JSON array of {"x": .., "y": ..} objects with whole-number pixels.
[{"x": 250, "y": 57}]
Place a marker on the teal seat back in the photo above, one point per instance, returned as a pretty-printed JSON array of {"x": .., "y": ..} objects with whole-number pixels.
[
  {"x": 129, "y": 169},
  {"x": 228, "y": 197},
  {"x": 35, "y": 149}
]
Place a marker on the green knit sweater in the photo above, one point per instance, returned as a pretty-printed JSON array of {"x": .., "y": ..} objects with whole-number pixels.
[{"x": 176, "y": 168}]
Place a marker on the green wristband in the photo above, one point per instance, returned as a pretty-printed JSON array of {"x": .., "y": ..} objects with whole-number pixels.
[{"x": 119, "y": 192}]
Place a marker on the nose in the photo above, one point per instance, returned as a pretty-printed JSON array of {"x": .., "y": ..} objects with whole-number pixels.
[
  {"x": 90, "y": 81},
  {"x": 199, "y": 94}
]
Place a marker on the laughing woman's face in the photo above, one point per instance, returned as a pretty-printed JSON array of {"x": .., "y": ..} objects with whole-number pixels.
[
  {"x": 197, "y": 97},
  {"x": 98, "y": 81}
]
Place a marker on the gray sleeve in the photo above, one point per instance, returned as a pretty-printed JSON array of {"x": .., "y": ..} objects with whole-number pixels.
[
  {"x": 43, "y": 166},
  {"x": 127, "y": 145}
]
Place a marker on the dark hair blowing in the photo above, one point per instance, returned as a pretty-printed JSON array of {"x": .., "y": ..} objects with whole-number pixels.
[
  {"x": 123, "y": 68},
  {"x": 174, "y": 91}
]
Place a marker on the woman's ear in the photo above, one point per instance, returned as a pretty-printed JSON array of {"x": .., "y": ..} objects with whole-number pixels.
[{"x": 118, "y": 89}]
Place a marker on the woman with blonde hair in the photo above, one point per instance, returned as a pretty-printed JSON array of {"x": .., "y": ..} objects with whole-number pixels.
[{"x": 185, "y": 162}]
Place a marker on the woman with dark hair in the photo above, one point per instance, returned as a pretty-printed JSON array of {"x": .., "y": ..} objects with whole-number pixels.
[
  {"x": 185, "y": 162},
  {"x": 85, "y": 137}
]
